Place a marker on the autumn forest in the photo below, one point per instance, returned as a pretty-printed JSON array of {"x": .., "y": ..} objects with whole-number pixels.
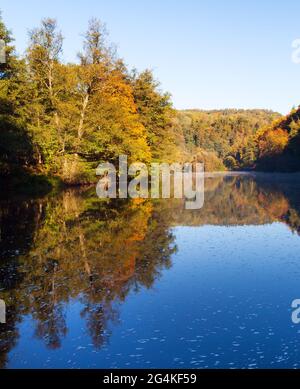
[{"x": 58, "y": 120}]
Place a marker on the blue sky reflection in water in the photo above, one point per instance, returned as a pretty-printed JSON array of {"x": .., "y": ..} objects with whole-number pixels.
[{"x": 222, "y": 299}]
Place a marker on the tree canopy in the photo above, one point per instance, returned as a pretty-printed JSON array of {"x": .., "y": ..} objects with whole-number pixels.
[{"x": 63, "y": 119}]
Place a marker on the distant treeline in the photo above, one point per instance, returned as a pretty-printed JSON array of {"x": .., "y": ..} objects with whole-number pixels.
[
  {"x": 60, "y": 120},
  {"x": 224, "y": 138},
  {"x": 243, "y": 139}
]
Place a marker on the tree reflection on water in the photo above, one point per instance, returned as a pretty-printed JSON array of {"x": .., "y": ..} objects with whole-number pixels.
[{"x": 75, "y": 246}]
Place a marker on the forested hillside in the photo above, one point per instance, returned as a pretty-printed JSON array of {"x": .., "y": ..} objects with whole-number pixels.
[
  {"x": 227, "y": 136},
  {"x": 279, "y": 144}
]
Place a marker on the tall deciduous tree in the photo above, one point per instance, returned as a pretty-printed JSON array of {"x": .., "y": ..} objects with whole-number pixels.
[{"x": 156, "y": 113}]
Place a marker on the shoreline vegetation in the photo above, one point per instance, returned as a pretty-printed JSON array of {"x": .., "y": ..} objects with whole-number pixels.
[{"x": 58, "y": 121}]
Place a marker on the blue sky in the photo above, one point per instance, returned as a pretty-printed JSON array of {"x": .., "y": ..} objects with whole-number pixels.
[{"x": 206, "y": 53}]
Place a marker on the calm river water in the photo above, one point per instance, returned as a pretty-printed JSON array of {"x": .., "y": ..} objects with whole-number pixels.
[{"x": 146, "y": 284}]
